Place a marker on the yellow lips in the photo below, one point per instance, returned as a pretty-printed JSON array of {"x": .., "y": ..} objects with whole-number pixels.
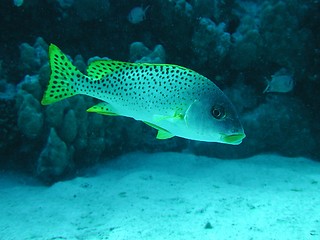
[{"x": 234, "y": 139}]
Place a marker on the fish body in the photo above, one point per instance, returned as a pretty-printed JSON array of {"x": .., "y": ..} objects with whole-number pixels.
[
  {"x": 172, "y": 99},
  {"x": 281, "y": 82},
  {"x": 137, "y": 15},
  {"x": 18, "y": 3}
]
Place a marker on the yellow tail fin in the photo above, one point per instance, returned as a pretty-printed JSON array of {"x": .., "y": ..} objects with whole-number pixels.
[{"x": 63, "y": 74}]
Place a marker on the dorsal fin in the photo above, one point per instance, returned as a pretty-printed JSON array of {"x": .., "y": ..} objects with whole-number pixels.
[{"x": 101, "y": 68}]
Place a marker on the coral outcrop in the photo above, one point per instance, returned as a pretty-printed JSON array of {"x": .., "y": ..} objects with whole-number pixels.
[{"x": 237, "y": 44}]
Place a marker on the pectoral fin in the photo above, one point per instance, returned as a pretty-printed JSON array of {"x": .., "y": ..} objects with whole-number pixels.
[
  {"x": 104, "y": 109},
  {"x": 177, "y": 116}
]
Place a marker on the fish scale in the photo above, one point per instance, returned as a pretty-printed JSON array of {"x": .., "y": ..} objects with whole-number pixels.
[
  {"x": 174, "y": 100},
  {"x": 147, "y": 84}
]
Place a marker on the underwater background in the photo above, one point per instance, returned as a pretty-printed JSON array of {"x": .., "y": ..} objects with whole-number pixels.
[{"x": 56, "y": 160}]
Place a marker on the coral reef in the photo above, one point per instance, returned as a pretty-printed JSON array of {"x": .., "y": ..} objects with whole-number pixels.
[
  {"x": 284, "y": 138},
  {"x": 55, "y": 159},
  {"x": 30, "y": 118},
  {"x": 237, "y": 44},
  {"x": 210, "y": 43},
  {"x": 140, "y": 53},
  {"x": 68, "y": 131},
  {"x": 8, "y": 119},
  {"x": 33, "y": 57}
]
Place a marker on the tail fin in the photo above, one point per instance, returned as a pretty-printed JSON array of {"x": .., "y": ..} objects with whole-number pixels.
[{"x": 63, "y": 74}]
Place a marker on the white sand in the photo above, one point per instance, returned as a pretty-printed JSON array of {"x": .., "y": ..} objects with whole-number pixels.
[{"x": 169, "y": 196}]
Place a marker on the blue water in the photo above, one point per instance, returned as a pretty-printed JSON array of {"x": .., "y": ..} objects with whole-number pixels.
[{"x": 70, "y": 174}]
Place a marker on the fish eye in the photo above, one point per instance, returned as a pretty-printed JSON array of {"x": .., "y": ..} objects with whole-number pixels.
[{"x": 218, "y": 112}]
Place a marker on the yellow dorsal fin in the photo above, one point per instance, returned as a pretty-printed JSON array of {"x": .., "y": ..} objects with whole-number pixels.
[
  {"x": 104, "y": 109},
  {"x": 101, "y": 68}
]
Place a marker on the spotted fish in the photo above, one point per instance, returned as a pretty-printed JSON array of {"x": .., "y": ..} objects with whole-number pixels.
[{"x": 172, "y": 99}]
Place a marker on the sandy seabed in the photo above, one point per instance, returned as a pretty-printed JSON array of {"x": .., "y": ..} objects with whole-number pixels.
[{"x": 174, "y": 196}]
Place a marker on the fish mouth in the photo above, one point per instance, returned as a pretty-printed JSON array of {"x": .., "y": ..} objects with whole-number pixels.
[{"x": 233, "y": 139}]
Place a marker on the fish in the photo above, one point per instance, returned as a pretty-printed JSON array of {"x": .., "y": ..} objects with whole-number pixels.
[
  {"x": 137, "y": 14},
  {"x": 174, "y": 100},
  {"x": 18, "y": 3},
  {"x": 281, "y": 82}
]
